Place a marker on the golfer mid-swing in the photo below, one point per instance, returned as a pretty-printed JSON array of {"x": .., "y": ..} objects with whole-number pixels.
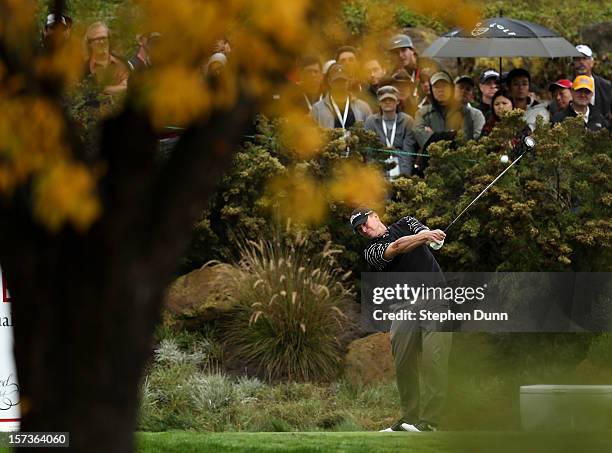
[{"x": 420, "y": 351}]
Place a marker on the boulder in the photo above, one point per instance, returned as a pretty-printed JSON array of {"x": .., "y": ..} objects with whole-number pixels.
[
  {"x": 189, "y": 296},
  {"x": 369, "y": 360}
]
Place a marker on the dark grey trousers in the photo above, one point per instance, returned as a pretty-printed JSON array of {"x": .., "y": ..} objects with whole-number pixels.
[{"x": 421, "y": 353}]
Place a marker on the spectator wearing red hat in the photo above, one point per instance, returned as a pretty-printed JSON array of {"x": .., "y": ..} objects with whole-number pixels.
[
  {"x": 561, "y": 92},
  {"x": 602, "y": 94},
  {"x": 582, "y": 91}
]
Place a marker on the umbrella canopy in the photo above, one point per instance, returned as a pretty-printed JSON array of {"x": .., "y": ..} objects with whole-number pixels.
[{"x": 501, "y": 37}]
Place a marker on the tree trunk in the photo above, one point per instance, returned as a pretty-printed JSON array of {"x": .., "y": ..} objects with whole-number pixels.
[{"x": 85, "y": 306}]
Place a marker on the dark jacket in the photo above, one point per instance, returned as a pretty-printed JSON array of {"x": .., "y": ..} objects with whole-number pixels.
[
  {"x": 595, "y": 123},
  {"x": 603, "y": 96},
  {"x": 470, "y": 119}
]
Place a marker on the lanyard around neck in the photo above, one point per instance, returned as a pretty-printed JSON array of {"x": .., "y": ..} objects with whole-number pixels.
[
  {"x": 388, "y": 141},
  {"x": 337, "y": 110},
  {"x": 310, "y": 103}
]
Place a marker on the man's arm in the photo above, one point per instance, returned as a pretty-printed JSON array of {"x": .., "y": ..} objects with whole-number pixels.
[{"x": 406, "y": 244}]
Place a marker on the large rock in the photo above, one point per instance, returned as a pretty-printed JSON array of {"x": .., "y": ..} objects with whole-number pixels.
[
  {"x": 369, "y": 360},
  {"x": 189, "y": 296}
]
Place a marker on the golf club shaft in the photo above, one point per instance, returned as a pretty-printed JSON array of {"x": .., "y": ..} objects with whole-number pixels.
[{"x": 482, "y": 193}]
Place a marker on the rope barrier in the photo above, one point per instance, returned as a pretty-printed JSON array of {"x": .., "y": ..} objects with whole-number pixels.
[{"x": 380, "y": 150}]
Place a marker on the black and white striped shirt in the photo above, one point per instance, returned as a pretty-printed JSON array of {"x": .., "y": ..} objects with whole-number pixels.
[{"x": 418, "y": 260}]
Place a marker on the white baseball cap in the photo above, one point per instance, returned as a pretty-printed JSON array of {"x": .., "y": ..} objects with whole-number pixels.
[{"x": 585, "y": 50}]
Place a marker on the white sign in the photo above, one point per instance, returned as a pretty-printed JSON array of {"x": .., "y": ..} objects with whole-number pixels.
[{"x": 9, "y": 389}]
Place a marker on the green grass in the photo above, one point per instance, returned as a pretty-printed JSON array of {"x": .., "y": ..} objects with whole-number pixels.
[{"x": 440, "y": 442}]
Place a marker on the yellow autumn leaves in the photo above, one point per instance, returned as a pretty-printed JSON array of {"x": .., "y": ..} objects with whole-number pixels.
[
  {"x": 305, "y": 199},
  {"x": 33, "y": 148},
  {"x": 65, "y": 192},
  {"x": 266, "y": 36}
]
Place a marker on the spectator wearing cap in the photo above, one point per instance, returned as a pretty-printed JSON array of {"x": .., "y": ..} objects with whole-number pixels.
[
  {"x": 401, "y": 80},
  {"x": 394, "y": 129},
  {"x": 142, "y": 58},
  {"x": 518, "y": 82},
  {"x": 500, "y": 105},
  {"x": 309, "y": 85},
  {"x": 403, "y": 54},
  {"x": 602, "y": 94},
  {"x": 444, "y": 114},
  {"x": 373, "y": 73},
  {"x": 339, "y": 108},
  {"x": 464, "y": 95},
  {"x": 405, "y": 63},
  {"x": 561, "y": 93},
  {"x": 488, "y": 84},
  {"x": 583, "y": 88},
  {"x": 109, "y": 71},
  {"x": 56, "y": 31},
  {"x": 420, "y": 350}
]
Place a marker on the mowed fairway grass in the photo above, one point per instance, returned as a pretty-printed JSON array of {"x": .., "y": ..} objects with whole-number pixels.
[{"x": 468, "y": 442}]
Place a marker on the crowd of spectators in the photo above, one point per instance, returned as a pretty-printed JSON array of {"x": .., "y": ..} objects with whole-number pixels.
[{"x": 409, "y": 102}]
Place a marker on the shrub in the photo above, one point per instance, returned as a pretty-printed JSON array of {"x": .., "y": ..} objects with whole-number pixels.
[
  {"x": 287, "y": 317},
  {"x": 242, "y": 208},
  {"x": 600, "y": 350},
  {"x": 554, "y": 207},
  {"x": 182, "y": 391}
]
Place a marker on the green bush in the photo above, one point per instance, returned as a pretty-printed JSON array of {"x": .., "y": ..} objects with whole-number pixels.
[
  {"x": 180, "y": 392},
  {"x": 551, "y": 213},
  {"x": 287, "y": 317},
  {"x": 600, "y": 350},
  {"x": 241, "y": 208}
]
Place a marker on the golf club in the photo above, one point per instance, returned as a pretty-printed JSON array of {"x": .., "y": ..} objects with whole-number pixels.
[{"x": 529, "y": 144}]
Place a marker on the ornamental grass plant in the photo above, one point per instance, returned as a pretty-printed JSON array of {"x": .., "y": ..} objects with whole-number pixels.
[{"x": 287, "y": 301}]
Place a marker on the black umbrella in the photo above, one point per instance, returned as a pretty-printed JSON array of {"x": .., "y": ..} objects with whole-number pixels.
[{"x": 501, "y": 37}]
